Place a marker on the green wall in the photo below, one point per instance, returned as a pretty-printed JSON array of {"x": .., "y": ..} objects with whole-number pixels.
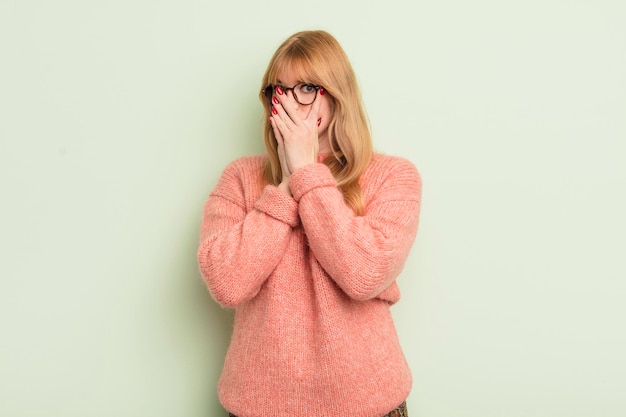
[{"x": 117, "y": 117}]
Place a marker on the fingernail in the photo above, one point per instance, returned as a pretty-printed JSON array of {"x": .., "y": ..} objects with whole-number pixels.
[
  {"x": 275, "y": 100},
  {"x": 322, "y": 91},
  {"x": 274, "y": 110},
  {"x": 319, "y": 121},
  {"x": 279, "y": 90}
]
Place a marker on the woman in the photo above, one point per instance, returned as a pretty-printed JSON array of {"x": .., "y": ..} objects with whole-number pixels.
[{"x": 305, "y": 243}]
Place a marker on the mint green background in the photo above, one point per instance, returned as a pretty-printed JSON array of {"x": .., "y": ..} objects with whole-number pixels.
[{"x": 117, "y": 117}]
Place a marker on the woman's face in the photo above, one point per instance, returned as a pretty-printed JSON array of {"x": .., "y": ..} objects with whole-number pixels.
[{"x": 289, "y": 79}]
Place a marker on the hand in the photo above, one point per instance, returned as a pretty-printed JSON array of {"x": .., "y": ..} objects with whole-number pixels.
[
  {"x": 297, "y": 139},
  {"x": 284, "y": 183}
]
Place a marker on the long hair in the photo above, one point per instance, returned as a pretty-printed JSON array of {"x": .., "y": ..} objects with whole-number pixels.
[{"x": 317, "y": 57}]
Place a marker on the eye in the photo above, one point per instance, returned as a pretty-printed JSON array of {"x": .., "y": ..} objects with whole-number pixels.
[{"x": 306, "y": 88}]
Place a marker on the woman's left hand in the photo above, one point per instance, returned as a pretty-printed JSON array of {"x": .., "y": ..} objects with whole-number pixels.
[{"x": 297, "y": 135}]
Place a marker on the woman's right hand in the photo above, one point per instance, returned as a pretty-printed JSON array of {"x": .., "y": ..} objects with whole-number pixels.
[{"x": 284, "y": 184}]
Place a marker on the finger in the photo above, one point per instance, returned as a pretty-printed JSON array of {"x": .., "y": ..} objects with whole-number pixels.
[
  {"x": 284, "y": 121},
  {"x": 282, "y": 158},
  {"x": 281, "y": 120},
  {"x": 280, "y": 148},
  {"x": 290, "y": 107},
  {"x": 277, "y": 109},
  {"x": 277, "y": 134}
]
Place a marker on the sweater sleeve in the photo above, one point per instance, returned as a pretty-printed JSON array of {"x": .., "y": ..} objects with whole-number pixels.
[
  {"x": 239, "y": 249},
  {"x": 362, "y": 254}
]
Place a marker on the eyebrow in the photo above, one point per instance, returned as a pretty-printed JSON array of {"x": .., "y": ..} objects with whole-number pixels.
[{"x": 298, "y": 81}]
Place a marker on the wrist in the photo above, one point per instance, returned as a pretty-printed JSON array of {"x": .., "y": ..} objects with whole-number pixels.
[{"x": 284, "y": 186}]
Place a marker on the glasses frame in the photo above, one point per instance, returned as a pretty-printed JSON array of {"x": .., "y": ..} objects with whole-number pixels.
[{"x": 272, "y": 87}]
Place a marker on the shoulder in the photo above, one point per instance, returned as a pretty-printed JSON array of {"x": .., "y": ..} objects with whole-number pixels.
[
  {"x": 385, "y": 166},
  {"x": 391, "y": 177},
  {"x": 246, "y": 164},
  {"x": 242, "y": 175},
  {"x": 243, "y": 169}
]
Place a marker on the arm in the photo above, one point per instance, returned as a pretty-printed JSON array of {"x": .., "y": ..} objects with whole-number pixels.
[
  {"x": 362, "y": 254},
  {"x": 239, "y": 250}
]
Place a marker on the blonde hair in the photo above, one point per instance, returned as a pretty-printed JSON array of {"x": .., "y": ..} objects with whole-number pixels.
[{"x": 317, "y": 57}]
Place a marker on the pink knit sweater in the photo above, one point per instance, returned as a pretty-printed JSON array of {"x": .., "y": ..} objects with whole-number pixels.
[{"x": 311, "y": 284}]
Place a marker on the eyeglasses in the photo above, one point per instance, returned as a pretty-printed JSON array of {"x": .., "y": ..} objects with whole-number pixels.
[{"x": 304, "y": 93}]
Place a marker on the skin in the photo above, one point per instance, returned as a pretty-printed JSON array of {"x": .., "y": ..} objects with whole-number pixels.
[{"x": 295, "y": 126}]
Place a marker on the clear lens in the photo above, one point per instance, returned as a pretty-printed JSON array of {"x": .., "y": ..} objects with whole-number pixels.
[{"x": 305, "y": 93}]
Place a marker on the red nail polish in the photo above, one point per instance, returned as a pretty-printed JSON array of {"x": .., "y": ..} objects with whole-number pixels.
[
  {"x": 319, "y": 121},
  {"x": 279, "y": 90},
  {"x": 274, "y": 110},
  {"x": 275, "y": 100},
  {"x": 322, "y": 91}
]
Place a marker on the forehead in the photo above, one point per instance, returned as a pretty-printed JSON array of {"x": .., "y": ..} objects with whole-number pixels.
[
  {"x": 289, "y": 79},
  {"x": 292, "y": 72}
]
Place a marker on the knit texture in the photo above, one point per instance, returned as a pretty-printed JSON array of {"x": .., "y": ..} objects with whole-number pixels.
[{"x": 311, "y": 284}]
